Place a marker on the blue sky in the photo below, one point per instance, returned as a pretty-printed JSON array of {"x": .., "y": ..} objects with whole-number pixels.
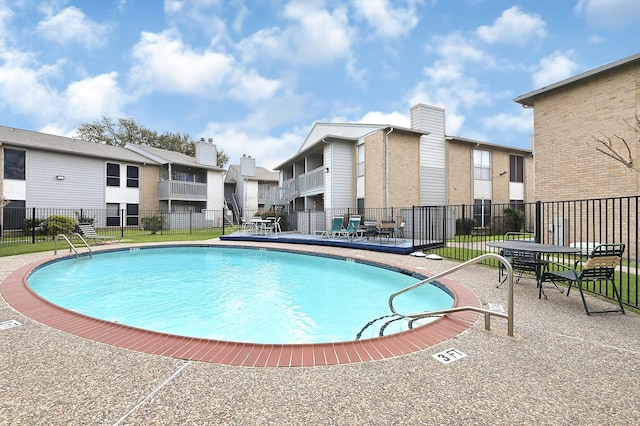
[{"x": 255, "y": 75}]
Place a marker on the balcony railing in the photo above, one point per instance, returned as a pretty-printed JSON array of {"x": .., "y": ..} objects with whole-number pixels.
[
  {"x": 312, "y": 182},
  {"x": 180, "y": 190}
]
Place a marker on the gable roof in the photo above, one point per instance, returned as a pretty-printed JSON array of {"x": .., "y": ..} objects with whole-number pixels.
[
  {"x": 340, "y": 131},
  {"x": 262, "y": 174},
  {"x": 164, "y": 156},
  {"x": 46, "y": 142},
  {"x": 528, "y": 99}
]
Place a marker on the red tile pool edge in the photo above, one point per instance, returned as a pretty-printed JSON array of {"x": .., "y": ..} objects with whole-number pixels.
[{"x": 16, "y": 293}]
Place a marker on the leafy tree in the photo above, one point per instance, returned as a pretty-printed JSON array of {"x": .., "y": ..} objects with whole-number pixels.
[{"x": 127, "y": 130}]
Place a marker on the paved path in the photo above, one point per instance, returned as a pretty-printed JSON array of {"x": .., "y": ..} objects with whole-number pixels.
[{"x": 561, "y": 367}]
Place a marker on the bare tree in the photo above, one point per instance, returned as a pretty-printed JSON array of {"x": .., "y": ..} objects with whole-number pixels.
[{"x": 607, "y": 145}]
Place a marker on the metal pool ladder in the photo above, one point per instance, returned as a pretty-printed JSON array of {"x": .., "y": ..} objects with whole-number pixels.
[
  {"x": 71, "y": 246},
  {"x": 487, "y": 312}
]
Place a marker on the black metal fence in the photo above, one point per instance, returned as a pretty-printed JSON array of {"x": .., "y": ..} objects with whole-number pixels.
[
  {"x": 33, "y": 225},
  {"x": 577, "y": 223},
  {"x": 458, "y": 232}
]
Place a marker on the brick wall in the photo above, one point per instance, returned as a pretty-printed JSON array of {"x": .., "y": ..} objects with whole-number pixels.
[{"x": 567, "y": 165}]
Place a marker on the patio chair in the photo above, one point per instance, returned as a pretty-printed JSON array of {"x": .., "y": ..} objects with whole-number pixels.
[
  {"x": 273, "y": 225},
  {"x": 89, "y": 233},
  {"x": 336, "y": 227},
  {"x": 600, "y": 266},
  {"x": 353, "y": 226},
  {"x": 521, "y": 261}
]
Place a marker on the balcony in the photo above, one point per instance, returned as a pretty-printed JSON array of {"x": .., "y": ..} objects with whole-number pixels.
[
  {"x": 310, "y": 183},
  {"x": 180, "y": 190}
]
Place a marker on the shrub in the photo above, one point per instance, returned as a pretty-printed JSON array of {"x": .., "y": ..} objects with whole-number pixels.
[
  {"x": 30, "y": 224},
  {"x": 513, "y": 220},
  {"x": 58, "y": 224},
  {"x": 153, "y": 223},
  {"x": 465, "y": 226}
]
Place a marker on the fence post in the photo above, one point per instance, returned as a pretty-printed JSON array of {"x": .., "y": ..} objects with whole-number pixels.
[
  {"x": 538, "y": 233},
  {"x": 223, "y": 220},
  {"x": 33, "y": 225},
  {"x": 190, "y": 222}
]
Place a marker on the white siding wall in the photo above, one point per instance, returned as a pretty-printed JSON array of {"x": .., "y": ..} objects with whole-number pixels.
[
  {"x": 82, "y": 187},
  {"x": 433, "y": 150},
  {"x": 340, "y": 185},
  {"x": 250, "y": 195},
  {"x": 215, "y": 190}
]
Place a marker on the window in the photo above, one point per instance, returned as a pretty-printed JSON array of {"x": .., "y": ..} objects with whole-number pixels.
[
  {"x": 482, "y": 212},
  {"x": 516, "y": 165},
  {"x": 132, "y": 176},
  {"x": 14, "y": 164},
  {"x": 113, "y": 174},
  {"x": 361, "y": 159},
  {"x": 132, "y": 214},
  {"x": 481, "y": 165},
  {"x": 516, "y": 204},
  {"x": 360, "y": 206},
  {"x": 113, "y": 214}
]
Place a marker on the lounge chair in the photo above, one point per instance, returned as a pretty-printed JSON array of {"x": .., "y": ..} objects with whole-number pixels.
[
  {"x": 89, "y": 233},
  {"x": 353, "y": 227},
  {"x": 336, "y": 228}
]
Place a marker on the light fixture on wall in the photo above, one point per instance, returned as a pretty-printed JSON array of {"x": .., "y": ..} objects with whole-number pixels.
[
  {"x": 326, "y": 170},
  {"x": 503, "y": 173},
  {"x": 60, "y": 177}
]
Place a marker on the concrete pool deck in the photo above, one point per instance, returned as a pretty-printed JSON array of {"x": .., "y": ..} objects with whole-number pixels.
[{"x": 561, "y": 367}]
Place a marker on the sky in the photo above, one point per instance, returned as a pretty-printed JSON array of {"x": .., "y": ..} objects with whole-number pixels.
[{"x": 256, "y": 75}]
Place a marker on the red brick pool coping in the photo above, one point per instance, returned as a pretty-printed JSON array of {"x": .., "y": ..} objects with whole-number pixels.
[{"x": 15, "y": 291}]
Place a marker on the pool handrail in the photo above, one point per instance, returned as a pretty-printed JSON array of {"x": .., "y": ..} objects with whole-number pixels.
[
  {"x": 71, "y": 246},
  {"x": 487, "y": 312}
]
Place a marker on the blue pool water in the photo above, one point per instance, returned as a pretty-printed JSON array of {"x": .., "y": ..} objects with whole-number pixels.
[{"x": 247, "y": 295}]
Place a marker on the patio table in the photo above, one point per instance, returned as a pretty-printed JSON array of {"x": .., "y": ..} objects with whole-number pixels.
[{"x": 537, "y": 248}]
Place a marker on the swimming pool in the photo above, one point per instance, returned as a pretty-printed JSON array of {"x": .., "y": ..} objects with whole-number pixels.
[{"x": 235, "y": 294}]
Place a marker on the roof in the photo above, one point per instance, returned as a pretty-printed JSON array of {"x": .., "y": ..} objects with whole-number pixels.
[
  {"x": 164, "y": 156},
  {"x": 488, "y": 144},
  {"x": 262, "y": 174},
  {"x": 46, "y": 142},
  {"x": 528, "y": 99},
  {"x": 340, "y": 131}
]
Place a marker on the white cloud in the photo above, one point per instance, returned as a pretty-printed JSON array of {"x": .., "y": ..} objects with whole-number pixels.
[
  {"x": 394, "y": 118},
  {"x": 164, "y": 63},
  {"x": 94, "y": 97},
  {"x": 6, "y": 15},
  {"x": 511, "y": 123},
  {"x": 71, "y": 26},
  {"x": 386, "y": 20},
  {"x": 513, "y": 27},
  {"x": 269, "y": 151},
  {"x": 249, "y": 86},
  {"x": 554, "y": 68},
  {"x": 318, "y": 35},
  {"x": 609, "y": 13}
]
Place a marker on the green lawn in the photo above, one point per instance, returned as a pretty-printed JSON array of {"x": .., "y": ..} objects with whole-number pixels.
[{"x": 10, "y": 250}]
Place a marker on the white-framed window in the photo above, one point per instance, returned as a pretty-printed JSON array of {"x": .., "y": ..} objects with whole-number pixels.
[
  {"x": 481, "y": 165},
  {"x": 113, "y": 174},
  {"x": 133, "y": 177},
  {"x": 516, "y": 168},
  {"x": 482, "y": 212},
  {"x": 361, "y": 159}
]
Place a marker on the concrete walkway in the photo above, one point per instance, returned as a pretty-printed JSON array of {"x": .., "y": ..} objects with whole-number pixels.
[{"x": 561, "y": 367}]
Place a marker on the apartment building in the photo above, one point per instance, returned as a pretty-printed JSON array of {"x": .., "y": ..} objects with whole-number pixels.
[{"x": 54, "y": 172}]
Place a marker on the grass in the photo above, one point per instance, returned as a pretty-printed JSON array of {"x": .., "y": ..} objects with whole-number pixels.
[{"x": 12, "y": 250}]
